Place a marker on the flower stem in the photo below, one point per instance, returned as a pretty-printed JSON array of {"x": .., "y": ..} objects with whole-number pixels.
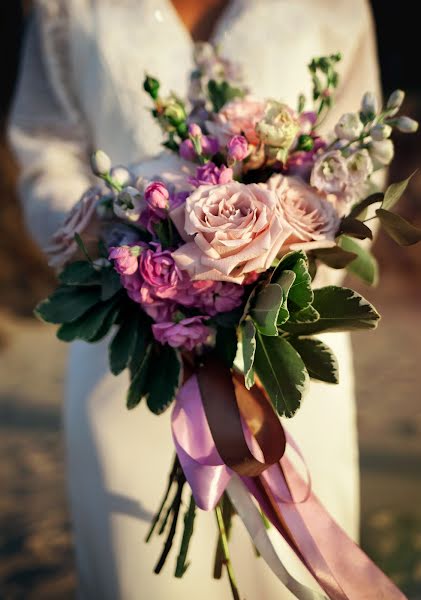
[{"x": 226, "y": 554}]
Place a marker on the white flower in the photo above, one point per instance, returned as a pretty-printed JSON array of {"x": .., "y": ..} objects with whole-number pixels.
[
  {"x": 406, "y": 125},
  {"x": 395, "y": 101},
  {"x": 279, "y": 126},
  {"x": 369, "y": 105},
  {"x": 380, "y": 132},
  {"x": 360, "y": 167},
  {"x": 381, "y": 153},
  {"x": 349, "y": 127},
  {"x": 330, "y": 173},
  {"x": 100, "y": 163},
  {"x": 129, "y": 204}
]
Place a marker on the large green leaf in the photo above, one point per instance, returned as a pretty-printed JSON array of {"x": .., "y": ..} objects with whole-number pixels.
[
  {"x": 164, "y": 379},
  {"x": 335, "y": 258},
  {"x": 80, "y": 272},
  {"x": 340, "y": 309},
  {"x": 138, "y": 385},
  {"x": 394, "y": 193},
  {"x": 285, "y": 280},
  {"x": 365, "y": 265},
  {"x": 67, "y": 304},
  {"x": 318, "y": 358},
  {"x": 305, "y": 315},
  {"x": 110, "y": 283},
  {"x": 108, "y": 322},
  {"x": 300, "y": 294},
  {"x": 402, "y": 232},
  {"x": 248, "y": 340},
  {"x": 88, "y": 325},
  {"x": 266, "y": 308},
  {"x": 226, "y": 344},
  {"x": 143, "y": 339},
  {"x": 282, "y": 372},
  {"x": 123, "y": 343}
]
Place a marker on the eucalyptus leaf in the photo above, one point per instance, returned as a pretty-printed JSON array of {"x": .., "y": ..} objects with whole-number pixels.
[
  {"x": 340, "y": 309},
  {"x": 161, "y": 390},
  {"x": 266, "y": 308},
  {"x": 80, "y": 272},
  {"x": 282, "y": 373},
  {"x": 365, "y": 265},
  {"x": 248, "y": 339},
  {"x": 400, "y": 230},
  {"x": 87, "y": 326},
  {"x": 138, "y": 385},
  {"x": 67, "y": 304},
  {"x": 359, "y": 208},
  {"x": 318, "y": 358},
  {"x": 335, "y": 258},
  {"x": 355, "y": 228},
  {"x": 394, "y": 192}
]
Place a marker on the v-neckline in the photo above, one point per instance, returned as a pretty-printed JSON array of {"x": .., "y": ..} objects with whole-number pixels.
[{"x": 217, "y": 28}]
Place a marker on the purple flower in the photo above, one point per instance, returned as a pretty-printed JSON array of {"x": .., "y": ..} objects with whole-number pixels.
[
  {"x": 210, "y": 174},
  {"x": 209, "y": 144},
  {"x": 132, "y": 284},
  {"x": 158, "y": 309},
  {"x": 219, "y": 297},
  {"x": 187, "y": 333},
  {"x": 157, "y": 198},
  {"x": 125, "y": 258},
  {"x": 178, "y": 198},
  {"x": 159, "y": 270},
  {"x": 238, "y": 148}
]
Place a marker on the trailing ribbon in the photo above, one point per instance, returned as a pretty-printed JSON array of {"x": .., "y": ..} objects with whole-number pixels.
[{"x": 220, "y": 429}]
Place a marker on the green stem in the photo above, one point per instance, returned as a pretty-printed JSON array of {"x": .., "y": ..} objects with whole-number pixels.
[
  {"x": 226, "y": 554},
  {"x": 176, "y": 505},
  {"x": 182, "y": 565},
  {"x": 112, "y": 182},
  {"x": 157, "y": 516}
]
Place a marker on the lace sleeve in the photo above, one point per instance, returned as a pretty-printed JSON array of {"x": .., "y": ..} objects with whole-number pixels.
[{"x": 46, "y": 129}]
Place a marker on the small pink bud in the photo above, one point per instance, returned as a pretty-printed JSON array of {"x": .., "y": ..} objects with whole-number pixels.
[
  {"x": 194, "y": 130},
  {"x": 238, "y": 148}
]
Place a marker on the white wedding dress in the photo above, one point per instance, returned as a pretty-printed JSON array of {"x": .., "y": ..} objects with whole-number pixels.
[{"x": 81, "y": 88}]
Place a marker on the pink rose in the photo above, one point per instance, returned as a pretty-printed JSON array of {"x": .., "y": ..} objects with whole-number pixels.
[
  {"x": 238, "y": 117},
  {"x": 311, "y": 215},
  {"x": 157, "y": 198},
  {"x": 235, "y": 229},
  {"x": 186, "y": 334},
  {"x": 81, "y": 220},
  {"x": 160, "y": 271}
]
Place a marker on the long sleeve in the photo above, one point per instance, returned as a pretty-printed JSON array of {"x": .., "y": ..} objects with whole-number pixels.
[{"x": 46, "y": 131}]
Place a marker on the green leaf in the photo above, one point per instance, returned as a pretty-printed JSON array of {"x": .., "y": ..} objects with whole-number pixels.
[
  {"x": 81, "y": 272},
  {"x": 123, "y": 343},
  {"x": 357, "y": 209},
  {"x": 355, "y": 228},
  {"x": 143, "y": 338},
  {"x": 285, "y": 280},
  {"x": 67, "y": 304},
  {"x": 222, "y": 92},
  {"x": 282, "y": 372},
  {"x": 228, "y": 319},
  {"x": 400, "y": 230},
  {"x": 110, "y": 283},
  {"x": 365, "y": 265},
  {"x": 88, "y": 325},
  {"x": 394, "y": 192},
  {"x": 300, "y": 294},
  {"x": 266, "y": 308},
  {"x": 226, "y": 344},
  {"x": 335, "y": 258},
  {"x": 109, "y": 321},
  {"x": 82, "y": 247},
  {"x": 318, "y": 358},
  {"x": 163, "y": 389},
  {"x": 305, "y": 315},
  {"x": 340, "y": 309},
  {"x": 138, "y": 385},
  {"x": 248, "y": 340}
]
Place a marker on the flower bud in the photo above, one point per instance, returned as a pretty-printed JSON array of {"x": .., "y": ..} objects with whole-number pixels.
[
  {"x": 129, "y": 204},
  {"x": 349, "y": 127},
  {"x": 121, "y": 175},
  {"x": 395, "y": 101},
  {"x": 100, "y": 163},
  {"x": 381, "y": 153},
  {"x": 238, "y": 148},
  {"x": 194, "y": 130},
  {"x": 174, "y": 112},
  {"x": 305, "y": 143},
  {"x": 157, "y": 198},
  {"x": 151, "y": 86},
  {"x": 369, "y": 105},
  {"x": 406, "y": 125},
  {"x": 380, "y": 132}
]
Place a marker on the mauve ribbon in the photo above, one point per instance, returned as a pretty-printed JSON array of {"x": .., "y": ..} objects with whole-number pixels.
[{"x": 341, "y": 568}]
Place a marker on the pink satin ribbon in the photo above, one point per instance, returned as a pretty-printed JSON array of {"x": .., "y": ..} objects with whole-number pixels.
[{"x": 341, "y": 568}]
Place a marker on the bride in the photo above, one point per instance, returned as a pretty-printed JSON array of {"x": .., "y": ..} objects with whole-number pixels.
[{"x": 81, "y": 89}]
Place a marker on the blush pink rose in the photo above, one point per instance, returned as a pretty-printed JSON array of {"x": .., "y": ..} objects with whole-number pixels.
[
  {"x": 187, "y": 333},
  {"x": 238, "y": 117},
  {"x": 233, "y": 230},
  {"x": 82, "y": 220},
  {"x": 311, "y": 214}
]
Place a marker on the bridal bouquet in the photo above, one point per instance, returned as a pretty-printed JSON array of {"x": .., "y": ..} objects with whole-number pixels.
[{"x": 207, "y": 275}]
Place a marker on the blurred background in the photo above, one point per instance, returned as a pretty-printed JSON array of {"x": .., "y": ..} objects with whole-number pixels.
[{"x": 35, "y": 537}]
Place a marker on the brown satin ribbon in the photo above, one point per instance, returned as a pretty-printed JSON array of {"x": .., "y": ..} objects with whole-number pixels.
[{"x": 225, "y": 400}]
